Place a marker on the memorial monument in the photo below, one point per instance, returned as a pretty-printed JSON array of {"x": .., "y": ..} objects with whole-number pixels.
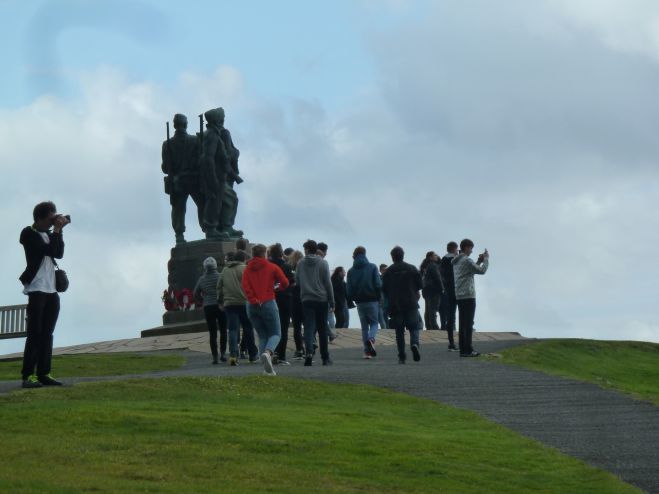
[{"x": 203, "y": 167}]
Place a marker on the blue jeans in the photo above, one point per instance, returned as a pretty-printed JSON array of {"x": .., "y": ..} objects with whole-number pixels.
[
  {"x": 237, "y": 315},
  {"x": 265, "y": 319},
  {"x": 411, "y": 320},
  {"x": 368, "y": 317}
]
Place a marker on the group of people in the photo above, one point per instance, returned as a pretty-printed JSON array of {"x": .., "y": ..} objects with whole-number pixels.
[
  {"x": 266, "y": 290},
  {"x": 274, "y": 288}
]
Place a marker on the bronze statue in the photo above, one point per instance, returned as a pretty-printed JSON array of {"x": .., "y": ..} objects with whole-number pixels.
[
  {"x": 180, "y": 162},
  {"x": 214, "y": 166},
  {"x": 204, "y": 167},
  {"x": 230, "y": 203}
]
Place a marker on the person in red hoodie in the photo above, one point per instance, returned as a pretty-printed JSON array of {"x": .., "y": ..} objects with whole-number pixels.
[{"x": 261, "y": 279}]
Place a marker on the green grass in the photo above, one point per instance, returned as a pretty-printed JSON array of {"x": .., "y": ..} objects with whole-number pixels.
[
  {"x": 258, "y": 434},
  {"x": 628, "y": 366},
  {"x": 93, "y": 365}
]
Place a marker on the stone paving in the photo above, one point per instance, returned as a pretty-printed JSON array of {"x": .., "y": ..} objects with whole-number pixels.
[{"x": 198, "y": 342}]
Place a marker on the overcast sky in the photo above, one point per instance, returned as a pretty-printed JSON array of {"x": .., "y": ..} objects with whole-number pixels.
[{"x": 530, "y": 127}]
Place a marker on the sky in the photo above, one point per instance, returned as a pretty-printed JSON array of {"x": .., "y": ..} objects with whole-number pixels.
[{"x": 529, "y": 127}]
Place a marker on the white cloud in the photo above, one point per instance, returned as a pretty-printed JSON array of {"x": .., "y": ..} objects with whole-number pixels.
[
  {"x": 630, "y": 26},
  {"x": 483, "y": 123}
]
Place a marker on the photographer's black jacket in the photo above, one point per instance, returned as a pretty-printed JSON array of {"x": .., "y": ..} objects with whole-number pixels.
[{"x": 36, "y": 249}]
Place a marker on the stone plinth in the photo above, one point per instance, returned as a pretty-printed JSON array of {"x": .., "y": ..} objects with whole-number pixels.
[
  {"x": 185, "y": 262},
  {"x": 184, "y": 268}
]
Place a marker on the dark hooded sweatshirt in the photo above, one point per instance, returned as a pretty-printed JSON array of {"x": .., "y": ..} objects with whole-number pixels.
[
  {"x": 364, "y": 282},
  {"x": 401, "y": 283}
]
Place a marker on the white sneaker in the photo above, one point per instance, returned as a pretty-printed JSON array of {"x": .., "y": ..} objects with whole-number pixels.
[
  {"x": 266, "y": 373},
  {"x": 266, "y": 360}
]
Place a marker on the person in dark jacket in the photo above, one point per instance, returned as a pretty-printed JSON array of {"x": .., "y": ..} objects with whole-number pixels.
[
  {"x": 448, "y": 304},
  {"x": 401, "y": 284},
  {"x": 297, "y": 314},
  {"x": 341, "y": 303},
  {"x": 364, "y": 286},
  {"x": 432, "y": 290},
  {"x": 284, "y": 300},
  {"x": 41, "y": 246},
  {"x": 383, "y": 315}
]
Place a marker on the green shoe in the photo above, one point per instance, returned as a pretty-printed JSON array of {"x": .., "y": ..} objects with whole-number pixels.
[
  {"x": 32, "y": 382},
  {"x": 49, "y": 380}
]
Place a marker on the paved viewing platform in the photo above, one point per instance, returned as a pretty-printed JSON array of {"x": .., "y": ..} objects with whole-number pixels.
[{"x": 198, "y": 342}]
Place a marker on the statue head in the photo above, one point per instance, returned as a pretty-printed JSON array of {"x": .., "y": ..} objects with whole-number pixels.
[
  {"x": 180, "y": 122},
  {"x": 214, "y": 116}
]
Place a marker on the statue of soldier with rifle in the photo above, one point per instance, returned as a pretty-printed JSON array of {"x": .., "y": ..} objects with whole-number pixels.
[
  {"x": 216, "y": 170},
  {"x": 180, "y": 163},
  {"x": 230, "y": 204}
]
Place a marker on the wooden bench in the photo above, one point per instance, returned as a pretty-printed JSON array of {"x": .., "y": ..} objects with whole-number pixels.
[{"x": 13, "y": 321}]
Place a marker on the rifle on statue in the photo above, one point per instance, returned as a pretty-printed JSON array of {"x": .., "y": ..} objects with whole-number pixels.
[{"x": 168, "y": 179}]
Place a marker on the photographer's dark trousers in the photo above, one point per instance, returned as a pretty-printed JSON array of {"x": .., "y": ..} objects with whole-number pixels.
[
  {"x": 448, "y": 308},
  {"x": 42, "y": 313},
  {"x": 284, "y": 304},
  {"x": 179, "y": 204},
  {"x": 215, "y": 317},
  {"x": 466, "y": 313},
  {"x": 315, "y": 319}
]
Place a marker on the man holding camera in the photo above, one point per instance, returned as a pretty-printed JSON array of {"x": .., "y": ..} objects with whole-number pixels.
[
  {"x": 41, "y": 246},
  {"x": 464, "y": 269}
]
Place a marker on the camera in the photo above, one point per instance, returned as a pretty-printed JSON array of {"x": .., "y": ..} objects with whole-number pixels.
[{"x": 67, "y": 216}]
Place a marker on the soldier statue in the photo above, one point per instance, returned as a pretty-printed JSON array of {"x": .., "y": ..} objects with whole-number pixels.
[
  {"x": 230, "y": 203},
  {"x": 214, "y": 168},
  {"x": 180, "y": 162}
]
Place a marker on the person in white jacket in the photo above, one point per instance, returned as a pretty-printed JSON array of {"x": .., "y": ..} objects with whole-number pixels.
[{"x": 464, "y": 269}]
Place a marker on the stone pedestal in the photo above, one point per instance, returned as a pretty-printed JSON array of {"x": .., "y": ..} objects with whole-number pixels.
[
  {"x": 185, "y": 262},
  {"x": 184, "y": 268}
]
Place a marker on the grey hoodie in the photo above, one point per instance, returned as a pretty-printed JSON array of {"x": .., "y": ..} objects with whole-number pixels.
[
  {"x": 464, "y": 269},
  {"x": 313, "y": 276}
]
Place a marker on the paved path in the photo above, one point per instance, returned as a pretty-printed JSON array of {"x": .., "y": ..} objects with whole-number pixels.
[{"x": 604, "y": 428}]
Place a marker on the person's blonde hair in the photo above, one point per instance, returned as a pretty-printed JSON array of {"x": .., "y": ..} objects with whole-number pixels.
[{"x": 294, "y": 258}]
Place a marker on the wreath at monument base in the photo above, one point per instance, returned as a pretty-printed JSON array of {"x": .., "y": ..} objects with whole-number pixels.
[{"x": 179, "y": 299}]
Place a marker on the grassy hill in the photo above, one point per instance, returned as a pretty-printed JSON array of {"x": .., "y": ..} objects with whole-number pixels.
[
  {"x": 258, "y": 434},
  {"x": 628, "y": 366}
]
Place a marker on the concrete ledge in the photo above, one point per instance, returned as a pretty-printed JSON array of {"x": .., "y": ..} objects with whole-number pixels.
[{"x": 181, "y": 328}]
